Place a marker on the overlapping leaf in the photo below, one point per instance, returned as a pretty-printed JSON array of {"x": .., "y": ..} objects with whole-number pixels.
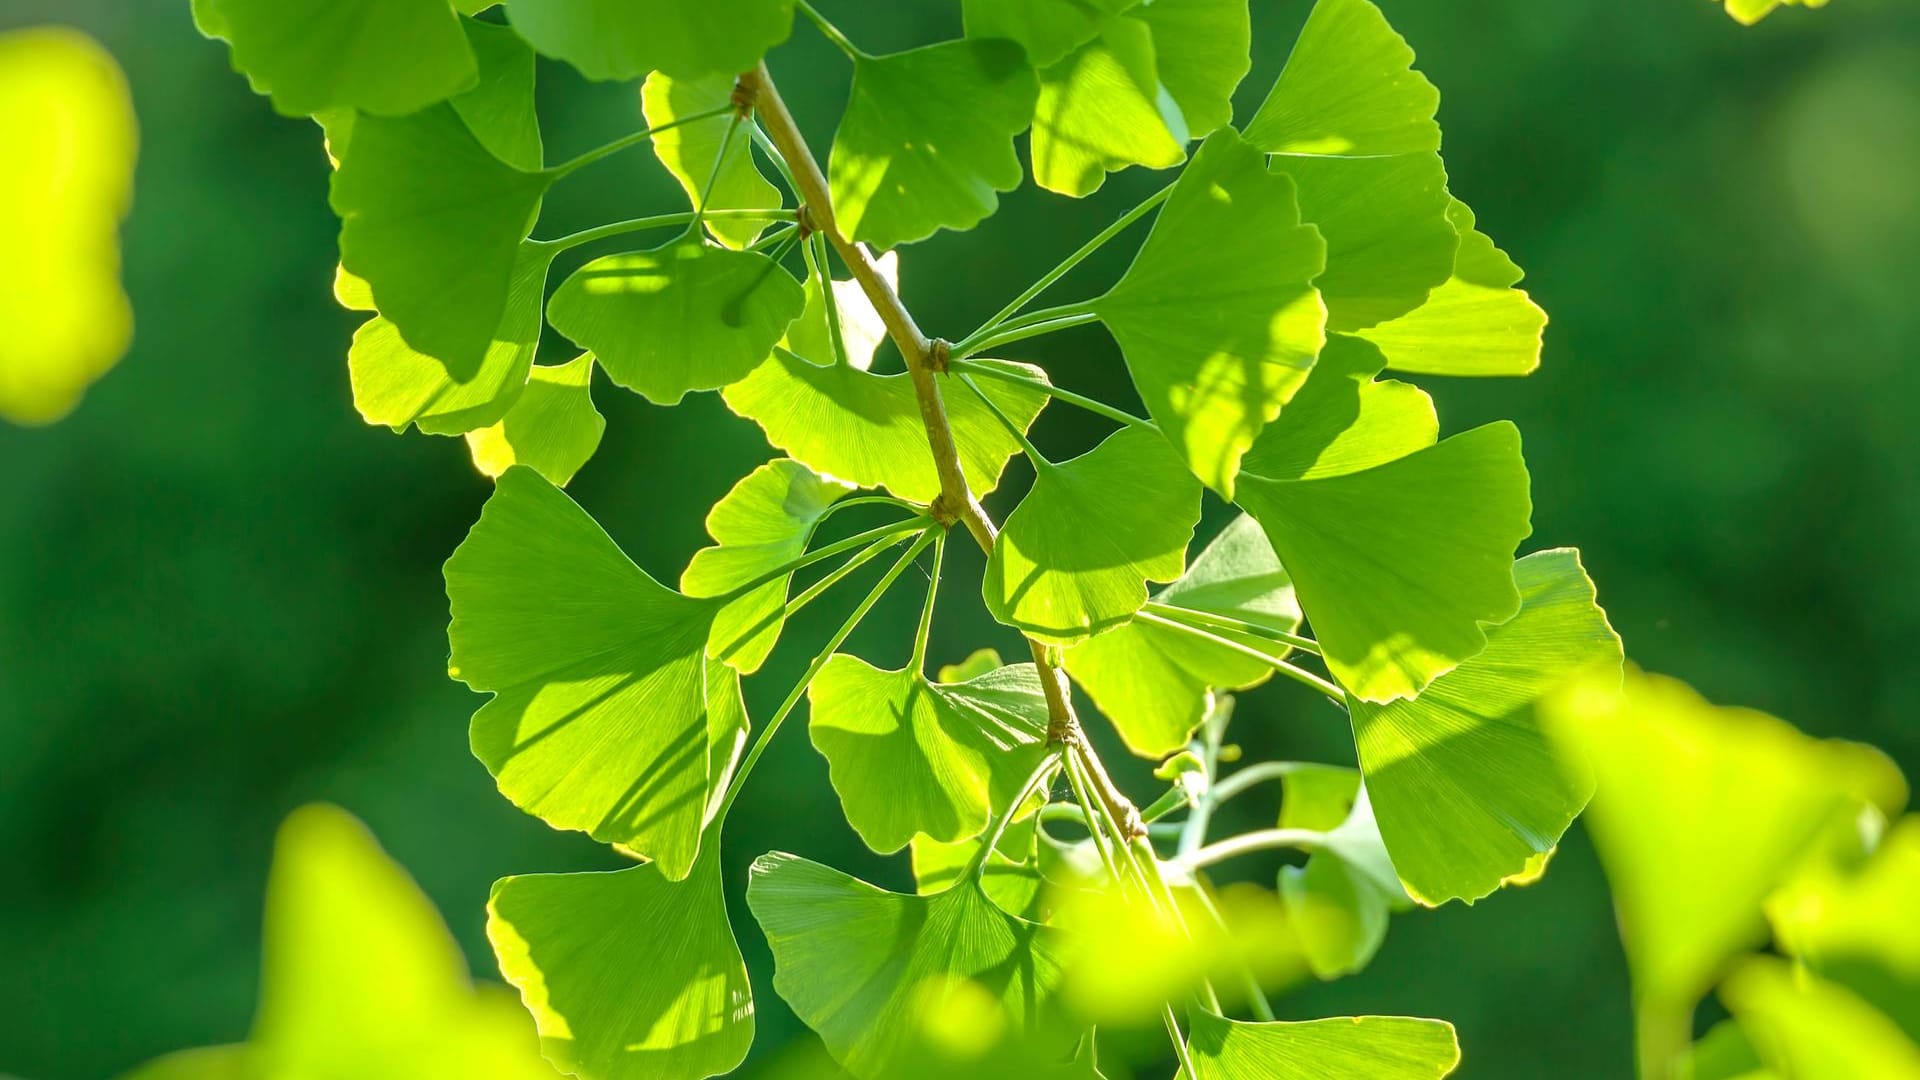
[
  {"x": 862, "y": 330},
  {"x": 691, "y": 151},
  {"x": 551, "y": 427},
  {"x": 1343, "y": 1048},
  {"x": 1384, "y": 218},
  {"x": 626, "y": 39},
  {"x": 384, "y": 57},
  {"x": 1339, "y": 902},
  {"x": 1344, "y": 420},
  {"x": 1350, "y": 88},
  {"x": 1046, "y": 29}
]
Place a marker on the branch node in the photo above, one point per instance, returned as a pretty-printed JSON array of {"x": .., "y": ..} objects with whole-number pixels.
[
  {"x": 939, "y": 352},
  {"x": 746, "y": 95},
  {"x": 943, "y": 511},
  {"x": 803, "y": 216}
]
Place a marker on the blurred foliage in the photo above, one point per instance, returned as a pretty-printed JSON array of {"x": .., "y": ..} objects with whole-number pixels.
[{"x": 219, "y": 588}]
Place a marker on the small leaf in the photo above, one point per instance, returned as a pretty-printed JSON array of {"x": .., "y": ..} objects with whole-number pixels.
[
  {"x": 1810, "y": 1029},
  {"x": 1749, "y": 12},
  {"x": 1075, "y": 557},
  {"x": 1462, "y": 777},
  {"x": 866, "y": 429},
  {"x": 762, "y": 524},
  {"x": 862, "y": 330},
  {"x": 1389, "y": 240},
  {"x": 1344, "y": 420},
  {"x": 977, "y": 663},
  {"x": 626, "y": 39},
  {"x": 690, "y": 151},
  {"x": 1344, "y": 1048},
  {"x": 682, "y": 317},
  {"x": 599, "y": 720},
  {"x": 627, "y": 974},
  {"x": 1216, "y": 316},
  {"x": 910, "y": 756},
  {"x": 1349, "y": 88},
  {"x": 927, "y": 140},
  {"x": 552, "y": 426},
  {"x": 1154, "y": 682},
  {"x": 1101, "y": 110},
  {"x": 1339, "y": 902},
  {"x": 384, "y": 57},
  {"x": 1318, "y": 797},
  {"x": 1046, "y": 29}
]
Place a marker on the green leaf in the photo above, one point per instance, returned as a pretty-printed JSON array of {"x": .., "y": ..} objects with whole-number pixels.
[
  {"x": 1389, "y": 241},
  {"x": 1344, "y": 1048},
  {"x": 1046, "y": 29},
  {"x": 1011, "y": 877},
  {"x": 499, "y": 110},
  {"x": 881, "y": 976},
  {"x": 599, "y": 716},
  {"x": 1748, "y": 12},
  {"x": 626, "y": 39},
  {"x": 384, "y": 57},
  {"x": 1476, "y": 323},
  {"x": 1202, "y": 49},
  {"x": 1154, "y": 682},
  {"x": 1466, "y": 786},
  {"x": 1810, "y": 1029},
  {"x": 762, "y": 524},
  {"x": 977, "y": 663},
  {"x": 1318, "y": 797},
  {"x": 1399, "y": 565},
  {"x": 911, "y": 756},
  {"x": 927, "y": 140},
  {"x": 1074, "y": 558},
  {"x": 1100, "y": 110},
  {"x": 627, "y": 974},
  {"x": 397, "y": 385},
  {"x": 67, "y": 151},
  {"x": 1349, "y": 88},
  {"x": 862, "y": 330},
  {"x": 1339, "y": 902},
  {"x": 682, "y": 317},
  {"x": 866, "y": 429},
  {"x": 434, "y": 223},
  {"x": 691, "y": 150},
  {"x": 1216, "y": 316},
  {"x": 551, "y": 427},
  {"x": 1344, "y": 420}
]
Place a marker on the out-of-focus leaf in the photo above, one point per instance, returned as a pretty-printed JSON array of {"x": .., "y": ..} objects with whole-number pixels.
[
  {"x": 552, "y": 425},
  {"x": 1748, "y": 12},
  {"x": 1807, "y": 1028},
  {"x": 1343, "y": 1048},
  {"x": 1349, "y": 88},
  {"x": 626, "y": 39},
  {"x": 690, "y": 151}
]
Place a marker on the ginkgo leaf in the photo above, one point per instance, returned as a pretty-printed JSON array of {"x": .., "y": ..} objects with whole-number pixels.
[
  {"x": 1475, "y": 323},
  {"x": 1748, "y": 12},
  {"x": 866, "y": 429},
  {"x": 1464, "y": 782},
  {"x": 691, "y": 151},
  {"x": 912, "y": 756},
  {"x": 762, "y": 524},
  {"x": 1011, "y": 877},
  {"x": 1342, "y": 1048},
  {"x": 1101, "y": 110},
  {"x": 1349, "y": 87},
  {"x": 1074, "y": 558},
  {"x": 1389, "y": 242},
  {"x": 878, "y": 975},
  {"x": 552, "y": 426},
  {"x": 1155, "y": 682},
  {"x": 499, "y": 110},
  {"x": 682, "y": 317},
  {"x": 397, "y": 385},
  {"x": 67, "y": 146},
  {"x": 1202, "y": 49},
  {"x": 1216, "y": 317},
  {"x": 1339, "y": 902},
  {"x": 384, "y": 57},
  {"x": 1399, "y": 565},
  {"x": 628, "y": 975},
  {"x": 1344, "y": 420},
  {"x": 599, "y": 716},
  {"x": 927, "y": 139},
  {"x": 626, "y": 39},
  {"x": 1046, "y": 29},
  {"x": 1807, "y": 1028},
  {"x": 862, "y": 330}
]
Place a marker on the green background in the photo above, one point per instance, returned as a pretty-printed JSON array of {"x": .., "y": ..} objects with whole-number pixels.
[{"x": 220, "y": 591}]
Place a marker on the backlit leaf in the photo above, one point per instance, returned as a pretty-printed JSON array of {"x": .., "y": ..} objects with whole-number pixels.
[
  {"x": 1047, "y": 29},
  {"x": 385, "y": 57},
  {"x": 862, "y": 330},
  {"x": 1748, "y": 12},
  {"x": 1807, "y": 1028},
  {"x": 1344, "y": 420},
  {"x": 1201, "y": 50},
  {"x": 551, "y": 427},
  {"x": 1389, "y": 242},
  {"x": 1339, "y": 902},
  {"x": 690, "y": 151},
  {"x": 626, "y": 39},
  {"x": 499, "y": 110},
  {"x": 1012, "y": 877},
  {"x": 1100, "y": 110},
  {"x": 1349, "y": 88},
  {"x": 1343, "y": 1048}
]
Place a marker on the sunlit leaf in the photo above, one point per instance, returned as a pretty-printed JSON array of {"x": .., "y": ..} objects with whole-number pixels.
[
  {"x": 1201, "y": 51},
  {"x": 1012, "y": 877},
  {"x": 1724, "y": 1053},
  {"x": 1349, "y": 88},
  {"x": 552, "y": 426},
  {"x": 866, "y": 429},
  {"x": 1047, "y": 29},
  {"x": 1397, "y": 567},
  {"x": 862, "y": 330},
  {"x": 627, "y": 974},
  {"x": 927, "y": 139},
  {"x": 1074, "y": 558},
  {"x": 1748, "y": 12},
  {"x": 385, "y": 57},
  {"x": 1389, "y": 242},
  {"x": 762, "y": 524},
  {"x": 1101, "y": 109},
  {"x": 1463, "y": 779},
  {"x": 1343, "y": 1048},
  {"x": 626, "y": 39},
  {"x": 683, "y": 317},
  {"x": 599, "y": 716},
  {"x": 67, "y": 147},
  {"x": 1154, "y": 682},
  {"x": 1339, "y": 902},
  {"x": 1807, "y": 1028},
  {"x": 1344, "y": 420},
  {"x": 1216, "y": 318},
  {"x": 691, "y": 150}
]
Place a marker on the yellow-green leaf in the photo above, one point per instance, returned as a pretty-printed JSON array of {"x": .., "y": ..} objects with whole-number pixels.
[{"x": 551, "y": 427}]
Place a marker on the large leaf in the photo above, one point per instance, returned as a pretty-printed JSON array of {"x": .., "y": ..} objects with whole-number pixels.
[
  {"x": 909, "y": 756},
  {"x": 880, "y": 976},
  {"x": 627, "y": 974},
  {"x": 1074, "y": 558},
  {"x": 691, "y": 151},
  {"x": 1349, "y": 88},
  {"x": 927, "y": 139},
  {"x": 682, "y": 317},
  {"x": 866, "y": 429},
  {"x": 1399, "y": 565},
  {"x": 599, "y": 720},
  {"x": 626, "y": 39},
  {"x": 762, "y": 524},
  {"x": 1343, "y": 1048},
  {"x": 385, "y": 57},
  {"x": 1476, "y": 323},
  {"x": 1464, "y": 782},
  {"x": 1389, "y": 241},
  {"x": 1046, "y": 29},
  {"x": 1216, "y": 316},
  {"x": 552, "y": 426},
  {"x": 67, "y": 146},
  {"x": 1808, "y": 1028},
  {"x": 1344, "y": 420},
  {"x": 1155, "y": 682}
]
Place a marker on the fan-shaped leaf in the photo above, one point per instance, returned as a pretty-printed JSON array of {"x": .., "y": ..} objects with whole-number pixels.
[
  {"x": 1046, "y": 29},
  {"x": 1344, "y": 1048},
  {"x": 385, "y": 57},
  {"x": 1389, "y": 242},
  {"x": 690, "y": 151},
  {"x": 599, "y": 720},
  {"x": 626, "y": 39},
  {"x": 1201, "y": 51},
  {"x": 552, "y": 426},
  {"x": 499, "y": 109},
  {"x": 1349, "y": 88},
  {"x": 1344, "y": 420},
  {"x": 862, "y": 330}
]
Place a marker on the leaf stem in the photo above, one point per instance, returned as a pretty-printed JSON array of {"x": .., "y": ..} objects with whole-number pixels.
[
  {"x": 817, "y": 261},
  {"x": 1252, "y": 776},
  {"x": 1009, "y": 334},
  {"x": 813, "y": 592},
  {"x": 829, "y": 31},
  {"x": 1180, "y": 1051},
  {"x": 626, "y": 142},
  {"x": 1212, "y": 621},
  {"x": 926, "y": 612},
  {"x": 1048, "y": 279},
  {"x": 1248, "y": 843},
  {"x": 1042, "y": 772},
  {"x": 822, "y": 553},
  {"x": 659, "y": 221},
  {"x": 713, "y": 175},
  {"x": 1039, "y": 460},
  {"x": 1098, "y": 408},
  {"x": 1297, "y": 674}
]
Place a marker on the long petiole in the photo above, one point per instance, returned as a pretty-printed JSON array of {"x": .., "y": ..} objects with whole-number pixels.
[
  {"x": 1239, "y": 626},
  {"x": 1187, "y": 1071},
  {"x": 719, "y": 163},
  {"x": 1048, "y": 279},
  {"x": 834, "y": 329},
  {"x": 628, "y": 141},
  {"x": 1248, "y": 843},
  {"x": 1253, "y": 775},
  {"x": 1041, "y": 773},
  {"x": 926, "y": 613},
  {"x": 819, "y": 554},
  {"x": 1098, "y": 408},
  {"x": 1297, "y": 674},
  {"x": 794, "y": 606},
  {"x": 1010, "y": 334},
  {"x": 660, "y": 221},
  {"x": 829, "y": 31},
  {"x": 773, "y": 154},
  {"x": 1039, "y": 460}
]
